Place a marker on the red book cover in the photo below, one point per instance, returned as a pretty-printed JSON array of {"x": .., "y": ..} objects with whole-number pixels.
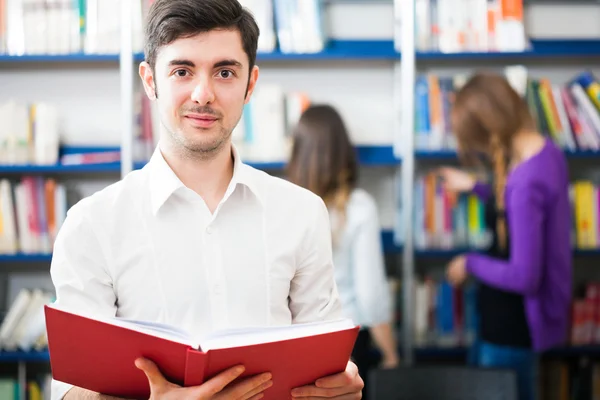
[{"x": 99, "y": 355}]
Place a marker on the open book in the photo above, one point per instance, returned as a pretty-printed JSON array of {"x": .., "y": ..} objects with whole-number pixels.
[{"x": 99, "y": 354}]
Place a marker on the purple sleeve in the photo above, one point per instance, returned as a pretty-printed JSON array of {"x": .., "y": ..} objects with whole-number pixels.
[
  {"x": 482, "y": 190},
  {"x": 522, "y": 272}
]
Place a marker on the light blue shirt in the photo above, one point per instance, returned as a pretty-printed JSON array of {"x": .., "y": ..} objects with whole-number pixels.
[{"x": 359, "y": 263}]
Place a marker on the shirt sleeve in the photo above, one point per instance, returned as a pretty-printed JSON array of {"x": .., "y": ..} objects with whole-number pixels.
[
  {"x": 522, "y": 272},
  {"x": 80, "y": 276},
  {"x": 368, "y": 267},
  {"x": 313, "y": 291}
]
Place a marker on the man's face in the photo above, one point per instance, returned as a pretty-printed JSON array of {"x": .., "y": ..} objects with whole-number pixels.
[{"x": 202, "y": 83}]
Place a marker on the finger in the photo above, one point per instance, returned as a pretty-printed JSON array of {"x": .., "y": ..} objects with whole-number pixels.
[
  {"x": 352, "y": 396},
  {"x": 256, "y": 391},
  {"x": 338, "y": 380},
  {"x": 218, "y": 382},
  {"x": 256, "y": 397},
  {"x": 247, "y": 386},
  {"x": 152, "y": 372},
  {"x": 313, "y": 392}
]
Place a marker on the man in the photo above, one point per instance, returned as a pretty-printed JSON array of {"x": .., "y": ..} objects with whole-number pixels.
[{"x": 197, "y": 239}]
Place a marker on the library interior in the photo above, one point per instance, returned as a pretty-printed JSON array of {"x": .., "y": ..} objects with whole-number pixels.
[{"x": 461, "y": 187}]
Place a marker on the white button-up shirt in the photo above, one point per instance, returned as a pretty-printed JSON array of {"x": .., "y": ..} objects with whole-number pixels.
[{"x": 148, "y": 248}]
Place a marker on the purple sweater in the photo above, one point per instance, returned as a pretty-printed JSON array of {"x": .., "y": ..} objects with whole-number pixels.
[{"x": 540, "y": 265}]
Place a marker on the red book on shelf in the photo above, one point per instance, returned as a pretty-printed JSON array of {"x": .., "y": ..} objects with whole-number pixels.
[{"x": 99, "y": 354}]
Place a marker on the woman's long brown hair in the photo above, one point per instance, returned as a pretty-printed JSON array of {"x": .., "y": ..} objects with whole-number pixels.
[
  {"x": 323, "y": 159},
  {"x": 486, "y": 115}
]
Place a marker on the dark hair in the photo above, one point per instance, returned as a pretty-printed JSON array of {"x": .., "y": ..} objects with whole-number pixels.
[
  {"x": 486, "y": 115},
  {"x": 169, "y": 20},
  {"x": 323, "y": 159}
]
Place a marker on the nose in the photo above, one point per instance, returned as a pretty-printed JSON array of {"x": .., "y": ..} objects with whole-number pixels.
[{"x": 203, "y": 92}]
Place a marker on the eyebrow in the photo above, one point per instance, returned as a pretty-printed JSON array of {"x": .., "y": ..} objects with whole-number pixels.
[
  {"x": 228, "y": 63},
  {"x": 187, "y": 63}
]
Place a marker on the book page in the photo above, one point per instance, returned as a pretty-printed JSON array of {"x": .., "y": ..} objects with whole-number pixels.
[{"x": 257, "y": 335}]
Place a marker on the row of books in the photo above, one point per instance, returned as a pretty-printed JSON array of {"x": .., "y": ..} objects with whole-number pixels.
[
  {"x": 292, "y": 26},
  {"x": 445, "y": 316},
  {"x": 32, "y": 211},
  {"x": 452, "y": 26},
  {"x": 66, "y": 26},
  {"x": 261, "y": 135},
  {"x": 585, "y": 317},
  {"x": 36, "y": 389},
  {"x": 569, "y": 113},
  {"x": 93, "y": 26},
  {"x": 24, "y": 326},
  {"x": 29, "y": 133},
  {"x": 446, "y": 220}
]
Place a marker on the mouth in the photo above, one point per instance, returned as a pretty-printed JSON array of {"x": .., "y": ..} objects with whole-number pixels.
[{"x": 202, "y": 121}]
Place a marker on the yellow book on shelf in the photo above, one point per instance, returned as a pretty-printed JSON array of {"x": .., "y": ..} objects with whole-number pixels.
[{"x": 584, "y": 214}]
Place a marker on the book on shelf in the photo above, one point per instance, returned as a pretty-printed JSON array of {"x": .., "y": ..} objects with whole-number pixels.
[
  {"x": 35, "y": 389},
  {"x": 446, "y": 220},
  {"x": 23, "y": 327},
  {"x": 29, "y": 133},
  {"x": 295, "y": 355},
  {"x": 92, "y": 27},
  {"x": 32, "y": 211},
  {"x": 568, "y": 113},
  {"x": 457, "y": 26},
  {"x": 445, "y": 316}
]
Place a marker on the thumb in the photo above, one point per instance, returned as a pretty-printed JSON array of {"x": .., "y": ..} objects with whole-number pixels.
[{"x": 151, "y": 370}]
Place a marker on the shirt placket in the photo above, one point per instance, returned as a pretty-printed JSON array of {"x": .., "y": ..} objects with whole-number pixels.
[{"x": 217, "y": 284}]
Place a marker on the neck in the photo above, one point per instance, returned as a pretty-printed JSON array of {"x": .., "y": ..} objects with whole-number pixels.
[
  {"x": 526, "y": 144},
  {"x": 207, "y": 176}
]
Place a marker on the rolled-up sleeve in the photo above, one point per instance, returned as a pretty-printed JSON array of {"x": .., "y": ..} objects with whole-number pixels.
[{"x": 80, "y": 275}]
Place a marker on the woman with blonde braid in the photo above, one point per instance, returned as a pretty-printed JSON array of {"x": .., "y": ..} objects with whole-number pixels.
[
  {"x": 525, "y": 277},
  {"x": 323, "y": 161}
]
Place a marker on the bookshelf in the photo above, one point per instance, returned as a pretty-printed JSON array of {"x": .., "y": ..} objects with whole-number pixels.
[
  {"x": 338, "y": 52},
  {"x": 552, "y": 55}
]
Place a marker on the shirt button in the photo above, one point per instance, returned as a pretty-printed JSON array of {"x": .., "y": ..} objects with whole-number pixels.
[
  {"x": 217, "y": 289},
  {"x": 209, "y": 230}
]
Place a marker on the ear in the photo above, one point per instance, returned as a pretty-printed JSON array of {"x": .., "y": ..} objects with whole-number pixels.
[
  {"x": 147, "y": 79},
  {"x": 251, "y": 83}
]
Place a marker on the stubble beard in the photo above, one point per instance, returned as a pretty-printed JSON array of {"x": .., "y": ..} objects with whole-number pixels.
[{"x": 198, "y": 150}]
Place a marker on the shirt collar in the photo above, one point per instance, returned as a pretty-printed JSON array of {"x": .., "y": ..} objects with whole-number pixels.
[{"x": 164, "y": 182}]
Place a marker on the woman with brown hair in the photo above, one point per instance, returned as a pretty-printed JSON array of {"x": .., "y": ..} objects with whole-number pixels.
[
  {"x": 525, "y": 279},
  {"x": 323, "y": 161}
]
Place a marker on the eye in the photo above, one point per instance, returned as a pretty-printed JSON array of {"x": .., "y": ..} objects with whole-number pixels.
[
  {"x": 180, "y": 73},
  {"x": 226, "y": 74}
]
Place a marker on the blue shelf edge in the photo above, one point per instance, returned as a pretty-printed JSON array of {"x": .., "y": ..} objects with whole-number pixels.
[
  {"x": 25, "y": 356},
  {"x": 334, "y": 50},
  {"x": 451, "y": 154},
  {"x": 389, "y": 245},
  {"x": 21, "y": 257},
  {"x": 540, "y": 48}
]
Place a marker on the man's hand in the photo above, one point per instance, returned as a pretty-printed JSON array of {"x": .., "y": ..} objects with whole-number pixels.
[
  {"x": 214, "y": 389},
  {"x": 347, "y": 385}
]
